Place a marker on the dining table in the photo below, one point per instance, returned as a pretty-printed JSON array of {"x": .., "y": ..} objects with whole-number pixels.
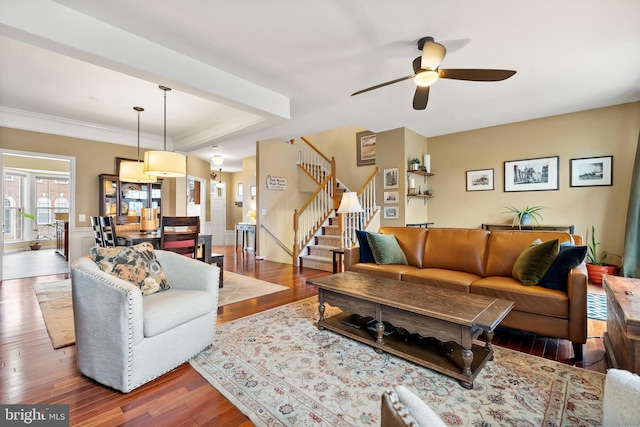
[{"x": 154, "y": 238}]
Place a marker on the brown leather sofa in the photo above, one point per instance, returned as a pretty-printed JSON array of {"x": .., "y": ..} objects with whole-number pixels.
[{"x": 481, "y": 262}]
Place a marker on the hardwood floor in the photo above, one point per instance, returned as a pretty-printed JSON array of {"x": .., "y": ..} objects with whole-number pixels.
[{"x": 31, "y": 371}]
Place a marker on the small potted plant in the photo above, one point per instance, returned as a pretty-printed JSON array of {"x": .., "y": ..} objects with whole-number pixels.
[
  {"x": 526, "y": 216},
  {"x": 37, "y": 237},
  {"x": 415, "y": 164},
  {"x": 596, "y": 267}
]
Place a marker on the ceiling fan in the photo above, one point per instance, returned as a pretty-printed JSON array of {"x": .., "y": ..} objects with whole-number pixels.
[{"x": 426, "y": 71}]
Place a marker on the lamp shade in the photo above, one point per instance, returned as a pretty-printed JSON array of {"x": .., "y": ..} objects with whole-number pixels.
[
  {"x": 165, "y": 164},
  {"x": 134, "y": 172},
  {"x": 350, "y": 203}
]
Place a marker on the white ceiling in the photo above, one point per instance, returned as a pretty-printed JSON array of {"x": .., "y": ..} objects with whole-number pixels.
[{"x": 251, "y": 70}]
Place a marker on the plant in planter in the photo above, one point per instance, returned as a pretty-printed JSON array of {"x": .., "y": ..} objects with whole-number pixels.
[
  {"x": 596, "y": 267},
  {"x": 415, "y": 163},
  {"x": 37, "y": 237},
  {"x": 526, "y": 216}
]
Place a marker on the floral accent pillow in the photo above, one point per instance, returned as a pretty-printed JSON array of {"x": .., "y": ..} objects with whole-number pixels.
[{"x": 136, "y": 264}]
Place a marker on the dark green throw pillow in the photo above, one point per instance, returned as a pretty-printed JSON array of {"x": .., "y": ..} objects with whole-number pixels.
[
  {"x": 385, "y": 249},
  {"x": 534, "y": 262}
]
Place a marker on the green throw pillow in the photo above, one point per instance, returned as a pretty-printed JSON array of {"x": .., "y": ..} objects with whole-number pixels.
[
  {"x": 385, "y": 249},
  {"x": 534, "y": 262}
]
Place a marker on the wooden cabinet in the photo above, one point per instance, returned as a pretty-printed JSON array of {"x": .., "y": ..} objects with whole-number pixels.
[
  {"x": 622, "y": 338},
  {"x": 62, "y": 238},
  {"x": 124, "y": 200}
]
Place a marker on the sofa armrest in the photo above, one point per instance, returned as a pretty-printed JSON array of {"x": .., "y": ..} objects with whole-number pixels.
[
  {"x": 351, "y": 256},
  {"x": 187, "y": 273},
  {"x": 577, "y": 293}
]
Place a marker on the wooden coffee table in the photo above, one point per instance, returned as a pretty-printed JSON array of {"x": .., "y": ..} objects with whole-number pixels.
[{"x": 455, "y": 319}]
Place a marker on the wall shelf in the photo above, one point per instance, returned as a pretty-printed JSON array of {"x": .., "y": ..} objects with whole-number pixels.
[
  {"x": 424, "y": 197},
  {"x": 424, "y": 174}
]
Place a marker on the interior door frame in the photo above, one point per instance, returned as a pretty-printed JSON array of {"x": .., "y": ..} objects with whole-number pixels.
[{"x": 72, "y": 192}]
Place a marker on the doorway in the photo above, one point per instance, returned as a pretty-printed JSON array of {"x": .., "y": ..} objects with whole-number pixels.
[
  {"x": 218, "y": 212},
  {"x": 42, "y": 185}
]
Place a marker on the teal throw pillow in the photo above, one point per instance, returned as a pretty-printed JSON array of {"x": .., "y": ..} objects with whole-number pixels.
[
  {"x": 534, "y": 262},
  {"x": 385, "y": 249}
]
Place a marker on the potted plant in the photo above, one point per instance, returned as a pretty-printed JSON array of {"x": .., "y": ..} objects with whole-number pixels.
[
  {"x": 526, "y": 216},
  {"x": 37, "y": 237},
  {"x": 415, "y": 164},
  {"x": 596, "y": 267}
]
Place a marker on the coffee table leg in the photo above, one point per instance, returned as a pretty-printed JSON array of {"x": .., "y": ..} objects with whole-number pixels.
[
  {"x": 380, "y": 339},
  {"x": 321, "y": 309},
  {"x": 487, "y": 346},
  {"x": 467, "y": 358}
]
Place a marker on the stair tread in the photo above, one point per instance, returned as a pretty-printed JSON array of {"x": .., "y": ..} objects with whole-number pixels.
[
  {"x": 325, "y": 247},
  {"x": 317, "y": 258}
]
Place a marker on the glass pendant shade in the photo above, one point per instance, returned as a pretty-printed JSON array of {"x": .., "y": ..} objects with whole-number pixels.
[{"x": 148, "y": 219}]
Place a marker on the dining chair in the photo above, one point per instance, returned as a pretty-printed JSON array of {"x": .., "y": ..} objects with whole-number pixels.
[
  {"x": 180, "y": 234},
  {"x": 97, "y": 231},
  {"x": 108, "y": 230}
]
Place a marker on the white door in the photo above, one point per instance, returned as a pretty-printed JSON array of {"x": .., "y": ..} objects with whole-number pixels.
[{"x": 218, "y": 213}]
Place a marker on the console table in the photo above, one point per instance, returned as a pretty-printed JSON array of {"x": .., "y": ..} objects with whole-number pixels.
[
  {"x": 245, "y": 229},
  {"x": 622, "y": 338},
  {"x": 545, "y": 227}
]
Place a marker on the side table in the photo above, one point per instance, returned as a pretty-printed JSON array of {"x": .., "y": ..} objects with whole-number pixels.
[
  {"x": 218, "y": 259},
  {"x": 622, "y": 338}
]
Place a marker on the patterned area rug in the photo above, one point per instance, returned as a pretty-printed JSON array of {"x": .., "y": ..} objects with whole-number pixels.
[
  {"x": 597, "y": 307},
  {"x": 57, "y": 310},
  {"x": 279, "y": 369}
]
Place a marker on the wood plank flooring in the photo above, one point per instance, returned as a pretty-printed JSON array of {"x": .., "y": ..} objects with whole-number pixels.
[{"x": 31, "y": 371}]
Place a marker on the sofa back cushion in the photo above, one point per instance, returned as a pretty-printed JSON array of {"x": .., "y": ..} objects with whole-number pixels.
[
  {"x": 506, "y": 246},
  {"x": 411, "y": 241},
  {"x": 459, "y": 249}
]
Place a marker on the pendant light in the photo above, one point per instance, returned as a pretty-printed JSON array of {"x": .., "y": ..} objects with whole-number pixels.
[
  {"x": 219, "y": 184},
  {"x": 134, "y": 171},
  {"x": 165, "y": 163}
]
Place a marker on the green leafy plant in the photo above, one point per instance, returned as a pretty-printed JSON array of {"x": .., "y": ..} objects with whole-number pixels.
[
  {"x": 415, "y": 161},
  {"x": 37, "y": 237},
  {"x": 592, "y": 249},
  {"x": 521, "y": 215}
]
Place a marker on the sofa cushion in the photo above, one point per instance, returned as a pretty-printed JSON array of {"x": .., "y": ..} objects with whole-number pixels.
[
  {"x": 569, "y": 257},
  {"x": 395, "y": 272},
  {"x": 534, "y": 262},
  {"x": 439, "y": 278},
  {"x": 385, "y": 249},
  {"x": 161, "y": 310},
  {"x": 365, "y": 250},
  {"x": 530, "y": 299},
  {"x": 135, "y": 264},
  {"x": 456, "y": 249},
  {"x": 411, "y": 240}
]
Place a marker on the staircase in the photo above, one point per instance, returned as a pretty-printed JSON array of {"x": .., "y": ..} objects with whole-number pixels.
[{"x": 318, "y": 229}]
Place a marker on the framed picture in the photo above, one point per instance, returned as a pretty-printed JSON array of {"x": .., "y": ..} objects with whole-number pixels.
[
  {"x": 391, "y": 178},
  {"x": 531, "y": 174},
  {"x": 391, "y": 197},
  {"x": 480, "y": 180},
  {"x": 591, "y": 171},
  {"x": 366, "y": 148},
  {"x": 252, "y": 191},
  {"x": 390, "y": 212}
]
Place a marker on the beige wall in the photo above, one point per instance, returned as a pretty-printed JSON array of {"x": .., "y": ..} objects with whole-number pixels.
[{"x": 600, "y": 132}]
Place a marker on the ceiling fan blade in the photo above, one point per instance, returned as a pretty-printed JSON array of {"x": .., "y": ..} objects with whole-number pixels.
[
  {"x": 383, "y": 84},
  {"x": 432, "y": 55},
  {"x": 476, "y": 75},
  {"x": 421, "y": 97}
]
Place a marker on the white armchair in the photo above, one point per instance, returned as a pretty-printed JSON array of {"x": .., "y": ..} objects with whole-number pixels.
[{"x": 124, "y": 339}]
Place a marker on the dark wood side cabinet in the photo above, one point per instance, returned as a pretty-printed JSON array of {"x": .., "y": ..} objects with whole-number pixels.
[
  {"x": 622, "y": 338},
  {"x": 125, "y": 199},
  {"x": 62, "y": 238}
]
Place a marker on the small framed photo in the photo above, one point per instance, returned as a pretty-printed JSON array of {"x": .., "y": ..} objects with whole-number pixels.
[
  {"x": 252, "y": 191},
  {"x": 480, "y": 180},
  {"x": 591, "y": 171},
  {"x": 390, "y": 212},
  {"x": 391, "y": 197},
  {"x": 366, "y": 148},
  {"x": 391, "y": 178},
  {"x": 531, "y": 174}
]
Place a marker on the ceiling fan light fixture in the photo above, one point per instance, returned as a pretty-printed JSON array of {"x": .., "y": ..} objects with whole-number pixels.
[{"x": 426, "y": 78}]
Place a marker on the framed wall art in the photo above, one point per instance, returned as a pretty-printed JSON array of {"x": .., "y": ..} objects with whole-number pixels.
[
  {"x": 391, "y": 178},
  {"x": 480, "y": 180},
  {"x": 531, "y": 174},
  {"x": 391, "y": 197},
  {"x": 366, "y": 148},
  {"x": 390, "y": 212},
  {"x": 591, "y": 171}
]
